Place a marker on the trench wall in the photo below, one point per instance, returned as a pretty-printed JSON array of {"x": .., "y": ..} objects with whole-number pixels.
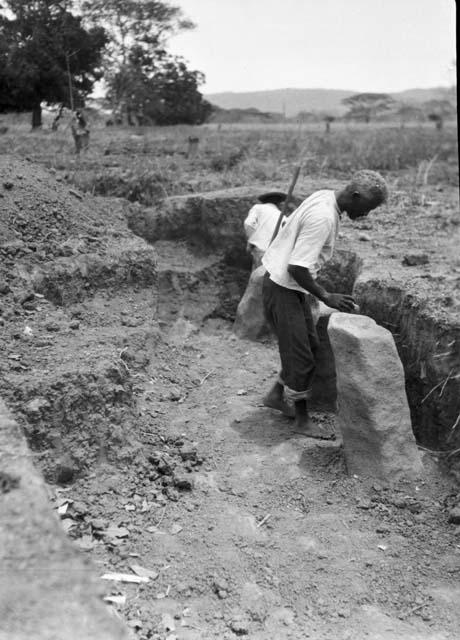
[
  {"x": 48, "y": 591},
  {"x": 429, "y": 348},
  {"x": 211, "y": 221}
]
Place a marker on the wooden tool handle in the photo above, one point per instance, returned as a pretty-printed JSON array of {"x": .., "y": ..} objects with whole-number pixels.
[{"x": 286, "y": 202}]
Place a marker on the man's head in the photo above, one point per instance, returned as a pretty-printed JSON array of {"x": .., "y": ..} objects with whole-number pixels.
[{"x": 366, "y": 191}]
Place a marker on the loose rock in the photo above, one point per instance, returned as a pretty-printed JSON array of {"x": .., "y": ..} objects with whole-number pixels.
[
  {"x": 454, "y": 515},
  {"x": 239, "y": 625},
  {"x": 414, "y": 260}
]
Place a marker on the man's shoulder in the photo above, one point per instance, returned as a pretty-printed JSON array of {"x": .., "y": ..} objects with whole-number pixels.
[
  {"x": 319, "y": 204},
  {"x": 323, "y": 196}
]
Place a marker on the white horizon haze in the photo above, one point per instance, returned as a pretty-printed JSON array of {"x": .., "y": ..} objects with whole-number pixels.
[{"x": 357, "y": 45}]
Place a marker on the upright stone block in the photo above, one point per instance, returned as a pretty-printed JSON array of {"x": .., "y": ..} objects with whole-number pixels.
[{"x": 373, "y": 414}]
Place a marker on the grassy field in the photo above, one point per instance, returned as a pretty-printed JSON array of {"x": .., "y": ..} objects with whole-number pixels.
[{"x": 148, "y": 164}]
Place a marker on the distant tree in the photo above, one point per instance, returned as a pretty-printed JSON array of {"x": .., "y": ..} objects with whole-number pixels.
[
  {"x": 366, "y": 106},
  {"x": 161, "y": 90},
  {"x": 307, "y": 116},
  {"x": 408, "y": 113},
  {"x": 438, "y": 110},
  {"x": 328, "y": 120},
  {"x": 178, "y": 98},
  {"x": 145, "y": 23},
  {"x": 137, "y": 52},
  {"x": 46, "y": 55}
]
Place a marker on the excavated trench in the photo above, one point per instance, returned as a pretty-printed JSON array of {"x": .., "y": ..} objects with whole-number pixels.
[
  {"x": 428, "y": 342},
  {"x": 82, "y": 410}
]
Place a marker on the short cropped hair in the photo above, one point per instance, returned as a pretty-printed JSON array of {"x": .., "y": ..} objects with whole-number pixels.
[{"x": 370, "y": 183}]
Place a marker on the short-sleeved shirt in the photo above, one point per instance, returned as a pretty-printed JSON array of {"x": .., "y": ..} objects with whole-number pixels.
[
  {"x": 260, "y": 224},
  {"x": 307, "y": 239}
]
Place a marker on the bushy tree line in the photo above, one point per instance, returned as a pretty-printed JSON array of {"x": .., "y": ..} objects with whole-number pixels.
[
  {"x": 365, "y": 107},
  {"x": 368, "y": 107},
  {"x": 53, "y": 51}
]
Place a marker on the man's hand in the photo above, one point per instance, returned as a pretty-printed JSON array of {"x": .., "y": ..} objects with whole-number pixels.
[{"x": 340, "y": 301}]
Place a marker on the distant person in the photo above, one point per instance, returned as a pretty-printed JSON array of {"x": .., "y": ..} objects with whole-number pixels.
[
  {"x": 261, "y": 222},
  {"x": 80, "y": 131},
  {"x": 292, "y": 261}
]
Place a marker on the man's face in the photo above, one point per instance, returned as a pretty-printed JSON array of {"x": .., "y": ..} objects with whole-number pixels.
[{"x": 360, "y": 205}]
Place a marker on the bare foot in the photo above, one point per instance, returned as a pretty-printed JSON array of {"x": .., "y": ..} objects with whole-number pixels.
[
  {"x": 279, "y": 404},
  {"x": 310, "y": 429}
]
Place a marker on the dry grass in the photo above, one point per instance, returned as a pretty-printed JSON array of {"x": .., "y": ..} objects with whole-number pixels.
[{"x": 147, "y": 164}]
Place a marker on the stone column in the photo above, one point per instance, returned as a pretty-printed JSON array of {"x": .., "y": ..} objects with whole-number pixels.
[{"x": 373, "y": 413}]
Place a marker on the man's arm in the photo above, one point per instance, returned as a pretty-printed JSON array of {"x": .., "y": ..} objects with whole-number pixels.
[{"x": 303, "y": 277}]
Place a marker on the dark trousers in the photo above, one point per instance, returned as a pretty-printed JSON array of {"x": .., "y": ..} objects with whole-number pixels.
[{"x": 288, "y": 313}]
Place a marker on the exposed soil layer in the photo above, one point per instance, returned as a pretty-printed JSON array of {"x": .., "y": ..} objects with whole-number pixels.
[{"x": 57, "y": 371}]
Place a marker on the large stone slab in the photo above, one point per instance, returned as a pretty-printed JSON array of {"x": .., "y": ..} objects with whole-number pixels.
[{"x": 373, "y": 414}]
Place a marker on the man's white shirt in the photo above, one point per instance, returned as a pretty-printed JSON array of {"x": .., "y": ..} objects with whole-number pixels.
[
  {"x": 306, "y": 240},
  {"x": 260, "y": 224}
]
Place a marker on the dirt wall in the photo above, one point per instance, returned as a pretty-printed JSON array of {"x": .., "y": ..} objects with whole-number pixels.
[
  {"x": 429, "y": 348},
  {"x": 48, "y": 590}
]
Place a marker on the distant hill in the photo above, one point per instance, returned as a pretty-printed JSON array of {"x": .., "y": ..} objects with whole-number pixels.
[
  {"x": 291, "y": 101},
  {"x": 423, "y": 95}
]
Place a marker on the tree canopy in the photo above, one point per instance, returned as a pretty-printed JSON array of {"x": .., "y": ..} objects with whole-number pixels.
[
  {"x": 147, "y": 84},
  {"x": 53, "y": 51},
  {"x": 438, "y": 110},
  {"x": 366, "y": 106},
  {"x": 158, "y": 89},
  {"x": 46, "y": 55},
  {"x": 135, "y": 23}
]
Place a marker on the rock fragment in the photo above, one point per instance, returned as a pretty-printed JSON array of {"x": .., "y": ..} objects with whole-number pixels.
[
  {"x": 239, "y": 624},
  {"x": 4, "y": 287},
  {"x": 373, "y": 415},
  {"x": 454, "y": 515},
  {"x": 414, "y": 259}
]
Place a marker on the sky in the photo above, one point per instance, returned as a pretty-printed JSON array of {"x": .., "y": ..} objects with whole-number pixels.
[{"x": 360, "y": 45}]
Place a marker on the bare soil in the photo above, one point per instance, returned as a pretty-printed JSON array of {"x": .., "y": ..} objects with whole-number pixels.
[
  {"x": 265, "y": 536},
  {"x": 144, "y": 412}
]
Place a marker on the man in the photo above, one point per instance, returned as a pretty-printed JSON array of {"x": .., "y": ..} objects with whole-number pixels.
[
  {"x": 260, "y": 224},
  {"x": 80, "y": 131},
  {"x": 292, "y": 262}
]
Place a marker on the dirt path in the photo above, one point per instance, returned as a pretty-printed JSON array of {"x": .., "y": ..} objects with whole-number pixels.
[{"x": 273, "y": 541}]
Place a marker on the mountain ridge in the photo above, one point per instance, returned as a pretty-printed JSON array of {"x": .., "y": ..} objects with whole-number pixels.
[{"x": 293, "y": 100}]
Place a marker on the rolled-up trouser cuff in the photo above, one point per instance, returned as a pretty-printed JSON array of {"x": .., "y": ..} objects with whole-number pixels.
[{"x": 294, "y": 396}]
